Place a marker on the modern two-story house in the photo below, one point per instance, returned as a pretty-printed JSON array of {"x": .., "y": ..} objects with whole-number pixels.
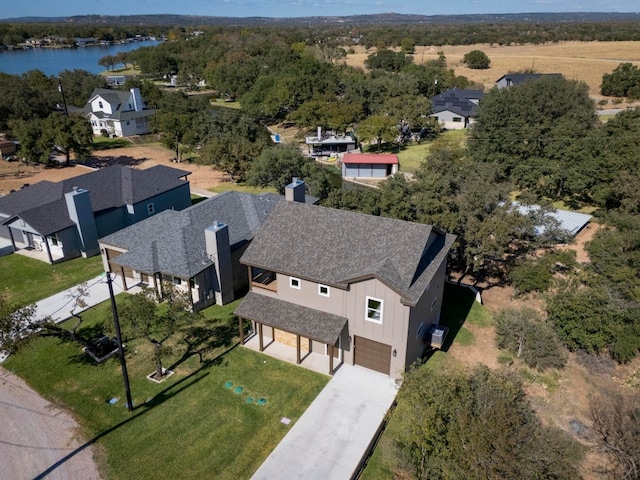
[
  {"x": 196, "y": 249},
  {"x": 356, "y": 288},
  {"x": 118, "y": 113},
  {"x": 456, "y": 108},
  {"x": 63, "y": 220}
]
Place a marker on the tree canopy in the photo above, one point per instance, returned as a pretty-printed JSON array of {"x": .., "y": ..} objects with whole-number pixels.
[
  {"x": 476, "y": 59},
  {"x": 539, "y": 134},
  {"x": 477, "y": 425},
  {"x": 624, "y": 81}
]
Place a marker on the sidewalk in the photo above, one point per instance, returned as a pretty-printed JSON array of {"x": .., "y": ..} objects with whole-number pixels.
[{"x": 60, "y": 306}]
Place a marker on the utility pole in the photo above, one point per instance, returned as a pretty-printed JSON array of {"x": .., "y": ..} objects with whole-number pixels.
[
  {"x": 64, "y": 100},
  {"x": 123, "y": 363}
]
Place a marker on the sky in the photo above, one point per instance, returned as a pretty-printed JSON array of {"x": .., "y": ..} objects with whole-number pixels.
[{"x": 305, "y": 8}]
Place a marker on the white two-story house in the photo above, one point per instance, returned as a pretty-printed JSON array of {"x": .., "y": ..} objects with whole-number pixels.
[{"x": 118, "y": 113}]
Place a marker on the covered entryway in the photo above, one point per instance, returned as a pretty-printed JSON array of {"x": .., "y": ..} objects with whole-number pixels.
[
  {"x": 279, "y": 321},
  {"x": 372, "y": 355}
]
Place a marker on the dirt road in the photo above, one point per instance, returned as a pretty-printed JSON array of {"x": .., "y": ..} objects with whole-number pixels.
[
  {"x": 14, "y": 175},
  {"x": 38, "y": 439}
]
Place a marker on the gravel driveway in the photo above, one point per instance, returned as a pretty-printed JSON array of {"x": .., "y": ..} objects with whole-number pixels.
[{"x": 38, "y": 439}]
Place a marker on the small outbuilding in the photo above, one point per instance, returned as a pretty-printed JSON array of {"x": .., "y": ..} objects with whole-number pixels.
[{"x": 369, "y": 165}]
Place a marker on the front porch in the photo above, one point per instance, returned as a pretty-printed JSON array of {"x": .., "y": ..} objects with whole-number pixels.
[
  {"x": 39, "y": 252},
  {"x": 294, "y": 333},
  {"x": 315, "y": 361}
]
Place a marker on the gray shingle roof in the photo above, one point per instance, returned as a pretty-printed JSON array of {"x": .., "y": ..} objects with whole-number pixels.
[
  {"x": 457, "y": 101},
  {"x": 174, "y": 242},
  {"x": 119, "y": 100},
  {"x": 43, "y": 205},
  {"x": 518, "y": 78},
  {"x": 337, "y": 247},
  {"x": 308, "y": 322}
]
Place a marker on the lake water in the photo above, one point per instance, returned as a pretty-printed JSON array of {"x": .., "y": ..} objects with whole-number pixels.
[{"x": 52, "y": 61}]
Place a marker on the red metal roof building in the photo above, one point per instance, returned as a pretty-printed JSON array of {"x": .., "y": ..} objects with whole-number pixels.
[{"x": 369, "y": 165}]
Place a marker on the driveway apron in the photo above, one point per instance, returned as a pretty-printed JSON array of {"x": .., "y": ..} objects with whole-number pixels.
[{"x": 331, "y": 438}]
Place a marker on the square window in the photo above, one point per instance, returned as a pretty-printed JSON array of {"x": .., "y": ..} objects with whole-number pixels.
[
  {"x": 374, "y": 309},
  {"x": 294, "y": 282},
  {"x": 150, "y": 209},
  {"x": 323, "y": 290}
]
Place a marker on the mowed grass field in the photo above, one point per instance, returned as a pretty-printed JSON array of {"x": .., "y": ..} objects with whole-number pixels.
[{"x": 584, "y": 61}]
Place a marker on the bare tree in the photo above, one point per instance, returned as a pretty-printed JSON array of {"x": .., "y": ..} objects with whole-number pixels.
[{"x": 616, "y": 423}]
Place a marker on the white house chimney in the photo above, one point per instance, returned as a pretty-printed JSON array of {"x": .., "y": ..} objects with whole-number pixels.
[
  {"x": 138, "y": 105},
  {"x": 319, "y": 133}
]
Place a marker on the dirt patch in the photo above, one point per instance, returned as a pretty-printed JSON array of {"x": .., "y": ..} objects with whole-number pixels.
[
  {"x": 14, "y": 175},
  {"x": 564, "y": 400}
]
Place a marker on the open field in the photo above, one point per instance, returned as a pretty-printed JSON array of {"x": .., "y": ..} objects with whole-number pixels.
[{"x": 585, "y": 61}]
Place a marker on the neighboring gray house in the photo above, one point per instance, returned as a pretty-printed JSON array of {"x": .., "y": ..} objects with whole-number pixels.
[
  {"x": 455, "y": 109},
  {"x": 328, "y": 145},
  {"x": 360, "y": 289},
  {"x": 369, "y": 165},
  {"x": 118, "y": 113},
  {"x": 511, "y": 79},
  {"x": 64, "y": 220},
  {"x": 197, "y": 248}
]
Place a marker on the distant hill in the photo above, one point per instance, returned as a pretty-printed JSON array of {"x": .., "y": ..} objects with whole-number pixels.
[{"x": 377, "y": 19}]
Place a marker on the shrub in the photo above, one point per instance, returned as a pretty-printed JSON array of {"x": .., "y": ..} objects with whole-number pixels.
[
  {"x": 525, "y": 334},
  {"x": 476, "y": 59}
]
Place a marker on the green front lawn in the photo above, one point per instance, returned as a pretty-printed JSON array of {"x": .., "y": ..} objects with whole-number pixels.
[
  {"x": 194, "y": 424},
  {"x": 411, "y": 156},
  {"x": 25, "y": 280}
]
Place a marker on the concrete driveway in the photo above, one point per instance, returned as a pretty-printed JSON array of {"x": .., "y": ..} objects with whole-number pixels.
[
  {"x": 38, "y": 439},
  {"x": 331, "y": 438}
]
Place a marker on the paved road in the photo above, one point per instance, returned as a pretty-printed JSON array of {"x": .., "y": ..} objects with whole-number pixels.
[{"x": 38, "y": 439}]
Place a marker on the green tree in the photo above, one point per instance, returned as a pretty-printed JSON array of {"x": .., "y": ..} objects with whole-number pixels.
[
  {"x": 536, "y": 274},
  {"x": 467, "y": 198},
  {"x": 387, "y": 60},
  {"x": 67, "y": 135},
  {"x": 34, "y": 147},
  {"x": 143, "y": 317},
  {"x": 108, "y": 61},
  {"x": 523, "y": 332},
  {"x": 230, "y": 154},
  {"x": 624, "y": 81},
  {"x": 78, "y": 85},
  {"x": 540, "y": 135},
  {"x": 477, "y": 425},
  {"x": 17, "y": 326},
  {"x": 476, "y": 59},
  {"x": 408, "y": 46},
  {"x": 276, "y": 166},
  {"x": 377, "y": 129}
]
